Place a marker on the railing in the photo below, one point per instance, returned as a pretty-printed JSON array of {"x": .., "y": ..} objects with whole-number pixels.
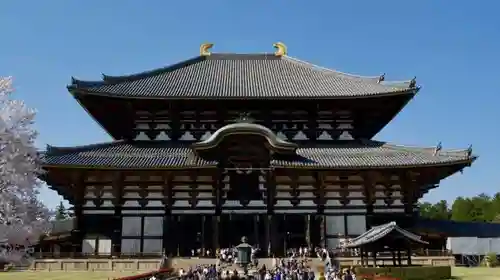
[
  {"x": 71, "y": 255},
  {"x": 415, "y": 253}
]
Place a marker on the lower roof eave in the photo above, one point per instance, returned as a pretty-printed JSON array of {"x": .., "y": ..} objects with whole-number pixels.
[{"x": 457, "y": 166}]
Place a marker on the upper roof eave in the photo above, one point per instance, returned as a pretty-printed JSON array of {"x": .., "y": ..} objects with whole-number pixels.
[
  {"x": 329, "y": 84},
  {"x": 411, "y": 92}
]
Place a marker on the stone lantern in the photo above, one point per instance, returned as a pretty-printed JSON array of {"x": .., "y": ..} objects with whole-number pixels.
[{"x": 244, "y": 253}]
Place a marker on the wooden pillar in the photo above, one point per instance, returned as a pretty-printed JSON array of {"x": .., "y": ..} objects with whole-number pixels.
[
  {"x": 308, "y": 230},
  {"x": 285, "y": 237},
  {"x": 271, "y": 223},
  {"x": 78, "y": 232},
  {"x": 178, "y": 225},
  {"x": 215, "y": 227},
  {"x": 256, "y": 229},
  {"x": 217, "y": 201},
  {"x": 270, "y": 192},
  {"x": 369, "y": 196},
  {"x": 116, "y": 240},
  {"x": 169, "y": 224},
  {"x": 143, "y": 201},
  {"x": 203, "y": 220},
  {"x": 361, "y": 255},
  {"x": 267, "y": 242},
  {"x": 409, "y": 185},
  {"x": 320, "y": 201}
]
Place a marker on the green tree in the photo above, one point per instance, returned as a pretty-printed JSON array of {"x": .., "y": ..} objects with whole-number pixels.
[
  {"x": 495, "y": 206},
  {"x": 496, "y": 220},
  {"x": 461, "y": 210},
  {"x": 61, "y": 212},
  {"x": 482, "y": 210},
  {"x": 441, "y": 210},
  {"x": 438, "y": 211},
  {"x": 425, "y": 209},
  {"x": 479, "y": 208}
]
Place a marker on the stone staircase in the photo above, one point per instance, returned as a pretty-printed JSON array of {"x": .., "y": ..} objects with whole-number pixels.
[{"x": 186, "y": 263}]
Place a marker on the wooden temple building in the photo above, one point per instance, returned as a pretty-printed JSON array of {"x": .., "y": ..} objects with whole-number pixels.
[{"x": 223, "y": 145}]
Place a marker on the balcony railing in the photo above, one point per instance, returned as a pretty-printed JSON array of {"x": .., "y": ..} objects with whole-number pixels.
[{"x": 415, "y": 253}]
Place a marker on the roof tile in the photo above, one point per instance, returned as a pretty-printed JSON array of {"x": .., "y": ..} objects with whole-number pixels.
[
  {"x": 242, "y": 76},
  {"x": 152, "y": 154}
]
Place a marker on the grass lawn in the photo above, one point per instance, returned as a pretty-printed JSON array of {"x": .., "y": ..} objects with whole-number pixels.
[{"x": 478, "y": 273}]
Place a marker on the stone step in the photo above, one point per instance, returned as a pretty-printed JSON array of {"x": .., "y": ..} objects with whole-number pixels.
[{"x": 186, "y": 263}]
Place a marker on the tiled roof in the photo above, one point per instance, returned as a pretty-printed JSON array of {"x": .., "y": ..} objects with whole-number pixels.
[
  {"x": 242, "y": 76},
  {"x": 164, "y": 154},
  {"x": 378, "y": 232}
]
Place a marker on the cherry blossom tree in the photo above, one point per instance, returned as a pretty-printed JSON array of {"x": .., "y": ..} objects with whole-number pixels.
[{"x": 23, "y": 218}]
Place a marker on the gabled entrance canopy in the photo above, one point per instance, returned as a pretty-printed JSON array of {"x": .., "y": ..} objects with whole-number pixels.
[{"x": 246, "y": 129}]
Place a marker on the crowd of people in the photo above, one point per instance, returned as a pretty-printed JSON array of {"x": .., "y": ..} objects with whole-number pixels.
[{"x": 296, "y": 266}]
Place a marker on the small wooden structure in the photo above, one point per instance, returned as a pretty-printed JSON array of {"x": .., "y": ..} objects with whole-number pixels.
[{"x": 387, "y": 236}]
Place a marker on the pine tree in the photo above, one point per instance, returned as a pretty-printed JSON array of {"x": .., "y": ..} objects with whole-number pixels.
[{"x": 61, "y": 212}]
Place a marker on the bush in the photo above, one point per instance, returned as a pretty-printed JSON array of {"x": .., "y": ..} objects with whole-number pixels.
[
  {"x": 490, "y": 260},
  {"x": 404, "y": 273}
]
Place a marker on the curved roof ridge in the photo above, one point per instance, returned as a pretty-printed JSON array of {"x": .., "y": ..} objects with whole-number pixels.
[
  {"x": 84, "y": 83},
  {"x": 64, "y": 149},
  {"x": 110, "y": 79},
  {"x": 450, "y": 152},
  {"x": 325, "y": 69},
  {"x": 374, "y": 79},
  {"x": 400, "y": 82}
]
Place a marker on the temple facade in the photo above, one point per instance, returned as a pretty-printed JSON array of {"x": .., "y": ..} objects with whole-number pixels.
[{"x": 221, "y": 146}]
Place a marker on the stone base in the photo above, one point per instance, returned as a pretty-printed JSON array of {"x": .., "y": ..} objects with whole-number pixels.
[
  {"x": 96, "y": 264},
  {"x": 420, "y": 260},
  {"x": 186, "y": 263}
]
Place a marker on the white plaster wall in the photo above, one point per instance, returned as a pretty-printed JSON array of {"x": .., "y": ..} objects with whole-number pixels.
[
  {"x": 332, "y": 243},
  {"x": 88, "y": 245},
  {"x": 153, "y": 226},
  {"x": 356, "y": 224},
  {"x": 335, "y": 225},
  {"x": 131, "y": 246},
  {"x": 131, "y": 226},
  {"x": 153, "y": 246},
  {"x": 104, "y": 246}
]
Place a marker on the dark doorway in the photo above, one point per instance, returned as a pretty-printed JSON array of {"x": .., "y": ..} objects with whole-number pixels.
[
  {"x": 190, "y": 234},
  {"x": 315, "y": 230},
  {"x": 295, "y": 229},
  {"x": 278, "y": 235},
  {"x": 234, "y": 226}
]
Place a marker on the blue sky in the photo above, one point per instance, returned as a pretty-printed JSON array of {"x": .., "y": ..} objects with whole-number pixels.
[{"x": 451, "y": 46}]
